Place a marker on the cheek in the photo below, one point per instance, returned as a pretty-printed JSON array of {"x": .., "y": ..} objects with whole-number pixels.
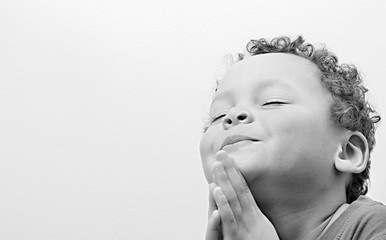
[
  {"x": 207, "y": 156},
  {"x": 299, "y": 127},
  {"x": 305, "y": 144}
]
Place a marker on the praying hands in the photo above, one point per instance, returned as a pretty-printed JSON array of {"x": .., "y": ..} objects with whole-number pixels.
[{"x": 233, "y": 212}]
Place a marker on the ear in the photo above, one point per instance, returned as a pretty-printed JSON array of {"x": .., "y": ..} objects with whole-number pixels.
[{"x": 354, "y": 154}]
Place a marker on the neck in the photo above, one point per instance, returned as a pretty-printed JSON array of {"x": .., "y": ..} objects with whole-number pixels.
[{"x": 296, "y": 218}]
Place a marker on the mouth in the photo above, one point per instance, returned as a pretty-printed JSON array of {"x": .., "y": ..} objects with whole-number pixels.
[{"x": 235, "y": 139}]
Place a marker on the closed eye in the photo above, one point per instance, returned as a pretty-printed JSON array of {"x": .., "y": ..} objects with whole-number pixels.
[
  {"x": 217, "y": 117},
  {"x": 274, "y": 102}
]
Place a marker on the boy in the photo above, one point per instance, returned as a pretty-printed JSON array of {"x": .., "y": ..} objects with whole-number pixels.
[{"x": 286, "y": 152}]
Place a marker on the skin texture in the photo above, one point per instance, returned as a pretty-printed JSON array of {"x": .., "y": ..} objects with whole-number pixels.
[
  {"x": 238, "y": 216},
  {"x": 296, "y": 162}
]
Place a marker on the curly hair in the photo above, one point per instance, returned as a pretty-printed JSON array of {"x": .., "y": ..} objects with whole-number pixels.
[{"x": 349, "y": 108}]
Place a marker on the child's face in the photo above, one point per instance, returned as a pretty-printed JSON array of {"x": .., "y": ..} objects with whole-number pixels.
[{"x": 276, "y": 102}]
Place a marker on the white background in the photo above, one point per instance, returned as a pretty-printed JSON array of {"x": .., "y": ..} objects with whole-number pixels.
[{"x": 102, "y": 104}]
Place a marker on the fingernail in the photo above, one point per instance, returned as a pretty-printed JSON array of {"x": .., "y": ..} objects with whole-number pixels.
[
  {"x": 217, "y": 166},
  {"x": 215, "y": 212},
  {"x": 218, "y": 190}
]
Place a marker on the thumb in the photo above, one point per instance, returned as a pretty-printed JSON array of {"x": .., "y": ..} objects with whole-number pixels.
[{"x": 213, "y": 228}]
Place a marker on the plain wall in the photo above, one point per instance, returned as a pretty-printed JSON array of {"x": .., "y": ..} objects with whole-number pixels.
[{"x": 102, "y": 105}]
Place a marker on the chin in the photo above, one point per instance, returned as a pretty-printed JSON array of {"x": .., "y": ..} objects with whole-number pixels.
[{"x": 250, "y": 166}]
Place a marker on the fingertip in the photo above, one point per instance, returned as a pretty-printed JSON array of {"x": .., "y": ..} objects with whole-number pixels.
[
  {"x": 215, "y": 214},
  {"x": 217, "y": 168},
  {"x": 220, "y": 155},
  {"x": 216, "y": 165},
  {"x": 226, "y": 160},
  {"x": 217, "y": 192},
  {"x": 215, "y": 218}
]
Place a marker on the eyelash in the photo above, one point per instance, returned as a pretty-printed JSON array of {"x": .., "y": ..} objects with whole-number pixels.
[
  {"x": 217, "y": 117},
  {"x": 274, "y": 102}
]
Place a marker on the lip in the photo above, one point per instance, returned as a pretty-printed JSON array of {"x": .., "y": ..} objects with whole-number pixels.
[{"x": 236, "y": 138}]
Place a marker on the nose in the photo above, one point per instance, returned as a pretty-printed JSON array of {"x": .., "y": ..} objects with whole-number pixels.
[{"x": 237, "y": 116}]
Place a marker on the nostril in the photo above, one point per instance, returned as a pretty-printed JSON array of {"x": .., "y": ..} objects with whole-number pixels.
[{"x": 242, "y": 117}]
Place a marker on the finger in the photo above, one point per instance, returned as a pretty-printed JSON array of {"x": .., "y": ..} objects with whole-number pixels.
[
  {"x": 240, "y": 186},
  {"x": 244, "y": 194},
  {"x": 222, "y": 180},
  {"x": 212, "y": 203},
  {"x": 228, "y": 220},
  {"x": 212, "y": 230}
]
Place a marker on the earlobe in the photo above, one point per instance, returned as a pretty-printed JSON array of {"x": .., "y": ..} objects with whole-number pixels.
[{"x": 354, "y": 154}]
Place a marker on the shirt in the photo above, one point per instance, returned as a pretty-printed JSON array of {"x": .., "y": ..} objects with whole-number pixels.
[{"x": 364, "y": 219}]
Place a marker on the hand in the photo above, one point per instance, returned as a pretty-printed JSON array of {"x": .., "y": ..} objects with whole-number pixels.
[
  {"x": 241, "y": 218},
  {"x": 213, "y": 229}
]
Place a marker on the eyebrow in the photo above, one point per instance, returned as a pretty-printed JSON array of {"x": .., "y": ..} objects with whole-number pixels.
[
  {"x": 221, "y": 95},
  {"x": 272, "y": 82},
  {"x": 264, "y": 84}
]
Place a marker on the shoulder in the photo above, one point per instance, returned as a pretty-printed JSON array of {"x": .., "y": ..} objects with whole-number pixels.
[
  {"x": 364, "y": 219},
  {"x": 368, "y": 209}
]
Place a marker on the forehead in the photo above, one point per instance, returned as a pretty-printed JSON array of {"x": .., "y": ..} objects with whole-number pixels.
[{"x": 273, "y": 69}]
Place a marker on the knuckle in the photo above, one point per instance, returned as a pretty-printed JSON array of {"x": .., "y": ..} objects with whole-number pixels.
[
  {"x": 231, "y": 220},
  {"x": 242, "y": 189},
  {"x": 245, "y": 189},
  {"x": 234, "y": 203}
]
